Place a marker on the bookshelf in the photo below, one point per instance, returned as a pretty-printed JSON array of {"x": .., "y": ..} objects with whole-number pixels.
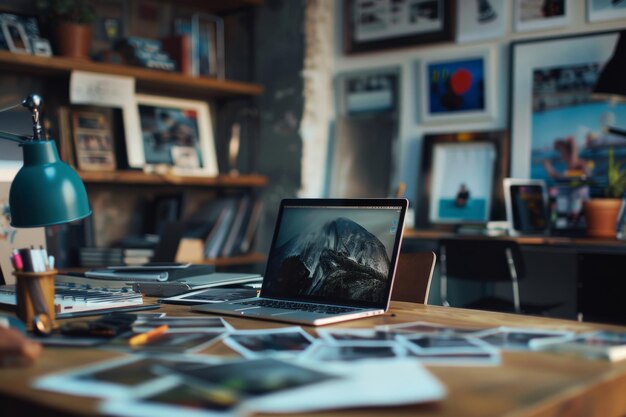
[
  {"x": 139, "y": 177},
  {"x": 166, "y": 83}
]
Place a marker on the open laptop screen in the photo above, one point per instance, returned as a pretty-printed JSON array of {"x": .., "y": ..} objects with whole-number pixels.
[{"x": 335, "y": 251}]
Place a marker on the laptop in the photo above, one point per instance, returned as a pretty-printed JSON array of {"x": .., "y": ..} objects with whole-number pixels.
[{"x": 331, "y": 260}]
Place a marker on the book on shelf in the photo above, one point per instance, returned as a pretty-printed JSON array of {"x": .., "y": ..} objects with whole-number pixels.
[
  {"x": 179, "y": 49},
  {"x": 252, "y": 224},
  {"x": 218, "y": 234},
  {"x": 228, "y": 249}
]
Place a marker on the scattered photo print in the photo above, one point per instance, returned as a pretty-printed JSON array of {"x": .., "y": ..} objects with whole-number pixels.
[
  {"x": 284, "y": 341},
  {"x": 254, "y": 377},
  {"x": 478, "y": 358},
  {"x": 172, "y": 341},
  {"x": 131, "y": 375},
  {"x": 517, "y": 339},
  {"x": 193, "y": 322},
  {"x": 426, "y": 327},
  {"x": 354, "y": 351},
  {"x": 195, "y": 396},
  {"x": 355, "y": 335}
]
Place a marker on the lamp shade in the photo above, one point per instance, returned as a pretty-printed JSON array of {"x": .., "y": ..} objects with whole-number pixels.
[
  {"x": 612, "y": 80},
  {"x": 46, "y": 191}
]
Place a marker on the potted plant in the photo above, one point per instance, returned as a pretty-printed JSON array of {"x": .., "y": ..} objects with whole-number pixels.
[
  {"x": 71, "y": 22},
  {"x": 601, "y": 213}
]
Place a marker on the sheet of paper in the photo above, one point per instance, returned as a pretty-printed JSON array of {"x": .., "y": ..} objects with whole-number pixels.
[{"x": 112, "y": 91}]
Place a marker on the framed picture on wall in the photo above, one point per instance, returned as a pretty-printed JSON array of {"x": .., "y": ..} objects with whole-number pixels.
[
  {"x": 558, "y": 128},
  {"x": 462, "y": 177},
  {"x": 374, "y": 90},
  {"x": 541, "y": 15},
  {"x": 382, "y": 24},
  {"x": 177, "y": 133},
  {"x": 481, "y": 20},
  {"x": 602, "y": 10},
  {"x": 459, "y": 88},
  {"x": 93, "y": 138}
]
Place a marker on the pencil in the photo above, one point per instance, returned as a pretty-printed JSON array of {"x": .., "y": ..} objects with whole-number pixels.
[{"x": 147, "y": 337}]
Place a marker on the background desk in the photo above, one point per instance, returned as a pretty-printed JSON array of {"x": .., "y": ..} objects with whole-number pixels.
[
  {"x": 526, "y": 384},
  {"x": 550, "y": 267}
]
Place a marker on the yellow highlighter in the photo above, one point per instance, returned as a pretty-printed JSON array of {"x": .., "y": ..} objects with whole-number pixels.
[{"x": 147, "y": 337}]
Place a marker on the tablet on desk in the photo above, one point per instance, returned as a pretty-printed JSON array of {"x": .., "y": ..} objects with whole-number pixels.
[{"x": 526, "y": 206}]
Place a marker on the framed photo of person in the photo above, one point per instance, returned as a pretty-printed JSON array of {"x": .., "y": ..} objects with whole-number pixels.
[
  {"x": 462, "y": 177},
  {"x": 382, "y": 24},
  {"x": 94, "y": 143},
  {"x": 15, "y": 37},
  {"x": 541, "y": 15},
  {"x": 552, "y": 90},
  {"x": 457, "y": 88},
  {"x": 178, "y": 133}
]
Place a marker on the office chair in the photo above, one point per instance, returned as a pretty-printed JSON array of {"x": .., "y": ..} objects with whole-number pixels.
[
  {"x": 486, "y": 261},
  {"x": 413, "y": 276},
  {"x": 601, "y": 287}
]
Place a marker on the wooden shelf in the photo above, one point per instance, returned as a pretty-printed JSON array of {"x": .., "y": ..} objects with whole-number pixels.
[
  {"x": 161, "y": 82},
  {"x": 249, "y": 259},
  {"x": 220, "y": 6},
  {"x": 139, "y": 177}
]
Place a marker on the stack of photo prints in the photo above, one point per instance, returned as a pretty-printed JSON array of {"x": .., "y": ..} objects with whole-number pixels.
[{"x": 278, "y": 370}]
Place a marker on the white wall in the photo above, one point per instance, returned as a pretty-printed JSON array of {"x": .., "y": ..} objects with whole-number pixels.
[{"x": 411, "y": 131}]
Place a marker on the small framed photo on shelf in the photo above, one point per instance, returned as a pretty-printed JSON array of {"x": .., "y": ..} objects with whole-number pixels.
[
  {"x": 527, "y": 210},
  {"x": 455, "y": 89},
  {"x": 93, "y": 138},
  {"x": 15, "y": 37},
  {"x": 383, "y": 24},
  {"x": 176, "y": 132},
  {"x": 462, "y": 175}
]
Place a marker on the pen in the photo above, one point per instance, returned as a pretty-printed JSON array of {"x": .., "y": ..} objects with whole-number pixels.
[
  {"x": 17, "y": 260},
  {"x": 147, "y": 337}
]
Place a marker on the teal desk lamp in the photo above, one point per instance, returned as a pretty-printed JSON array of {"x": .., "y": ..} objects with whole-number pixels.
[{"x": 45, "y": 191}]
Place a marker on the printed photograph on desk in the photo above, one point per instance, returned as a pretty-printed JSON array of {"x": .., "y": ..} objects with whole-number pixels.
[
  {"x": 119, "y": 377},
  {"x": 170, "y": 341},
  {"x": 457, "y": 88},
  {"x": 427, "y": 327},
  {"x": 218, "y": 389},
  {"x": 606, "y": 345},
  {"x": 353, "y": 351},
  {"x": 448, "y": 349},
  {"x": 177, "y": 133},
  {"x": 509, "y": 338},
  {"x": 193, "y": 322},
  {"x": 338, "y": 336},
  {"x": 93, "y": 138},
  {"x": 287, "y": 341}
]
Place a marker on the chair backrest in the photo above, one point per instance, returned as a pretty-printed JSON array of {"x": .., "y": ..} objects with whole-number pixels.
[
  {"x": 413, "y": 277},
  {"x": 601, "y": 287},
  {"x": 480, "y": 259}
]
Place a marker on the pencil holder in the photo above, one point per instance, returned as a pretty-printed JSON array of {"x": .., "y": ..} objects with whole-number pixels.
[{"x": 35, "y": 296}]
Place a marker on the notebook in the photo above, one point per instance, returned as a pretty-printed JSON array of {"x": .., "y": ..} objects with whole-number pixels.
[{"x": 331, "y": 260}]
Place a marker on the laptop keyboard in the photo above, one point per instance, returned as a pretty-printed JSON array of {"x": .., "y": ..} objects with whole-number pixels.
[{"x": 290, "y": 305}]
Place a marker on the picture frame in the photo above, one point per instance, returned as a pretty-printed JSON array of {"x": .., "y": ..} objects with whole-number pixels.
[
  {"x": 462, "y": 176},
  {"x": 602, "y": 10},
  {"x": 482, "y": 20},
  {"x": 541, "y": 111},
  {"x": 385, "y": 24},
  {"x": 531, "y": 15},
  {"x": 527, "y": 210},
  {"x": 168, "y": 124},
  {"x": 111, "y": 23},
  {"x": 94, "y": 142},
  {"x": 15, "y": 37},
  {"x": 458, "y": 88},
  {"x": 370, "y": 91},
  {"x": 20, "y": 33}
]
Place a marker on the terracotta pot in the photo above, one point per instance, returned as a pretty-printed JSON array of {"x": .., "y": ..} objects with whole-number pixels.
[
  {"x": 73, "y": 40},
  {"x": 601, "y": 216}
]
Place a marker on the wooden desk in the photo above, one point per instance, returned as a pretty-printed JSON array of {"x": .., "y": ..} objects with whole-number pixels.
[{"x": 526, "y": 384}]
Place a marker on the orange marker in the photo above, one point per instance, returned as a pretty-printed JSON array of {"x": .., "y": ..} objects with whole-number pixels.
[{"x": 147, "y": 337}]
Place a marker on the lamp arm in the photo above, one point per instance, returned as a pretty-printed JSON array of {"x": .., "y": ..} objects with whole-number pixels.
[{"x": 14, "y": 138}]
